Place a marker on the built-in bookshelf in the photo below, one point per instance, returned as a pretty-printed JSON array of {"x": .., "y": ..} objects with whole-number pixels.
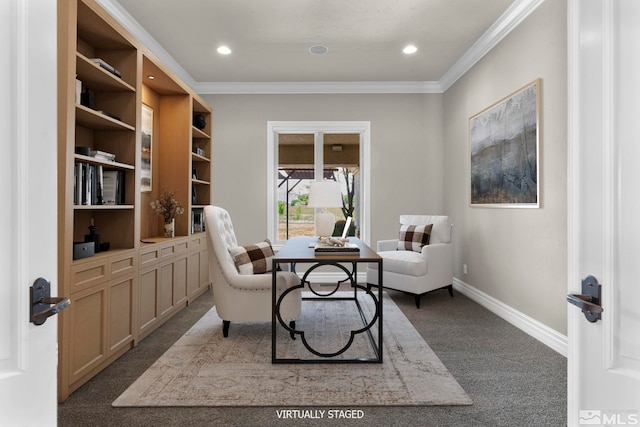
[
  {"x": 127, "y": 279},
  {"x": 200, "y": 163},
  {"x": 104, "y": 121}
]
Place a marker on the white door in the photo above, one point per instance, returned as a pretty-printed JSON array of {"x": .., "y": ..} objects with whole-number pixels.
[
  {"x": 604, "y": 209},
  {"x": 28, "y": 212}
]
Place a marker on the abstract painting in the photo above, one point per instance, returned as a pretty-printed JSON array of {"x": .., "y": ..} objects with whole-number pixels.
[{"x": 503, "y": 142}]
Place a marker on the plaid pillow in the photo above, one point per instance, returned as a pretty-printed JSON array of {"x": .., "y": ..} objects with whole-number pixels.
[
  {"x": 414, "y": 237},
  {"x": 253, "y": 259}
]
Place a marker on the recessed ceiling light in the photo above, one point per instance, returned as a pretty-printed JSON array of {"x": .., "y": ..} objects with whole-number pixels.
[
  {"x": 409, "y": 49},
  {"x": 224, "y": 50},
  {"x": 318, "y": 49},
  {"x": 151, "y": 77}
]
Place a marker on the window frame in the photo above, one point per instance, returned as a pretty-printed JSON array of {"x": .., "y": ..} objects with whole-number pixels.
[{"x": 318, "y": 128}]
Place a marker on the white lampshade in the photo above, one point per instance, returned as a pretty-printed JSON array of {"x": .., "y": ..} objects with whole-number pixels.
[{"x": 325, "y": 194}]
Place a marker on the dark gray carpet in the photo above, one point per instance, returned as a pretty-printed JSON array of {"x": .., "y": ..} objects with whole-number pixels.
[{"x": 512, "y": 379}]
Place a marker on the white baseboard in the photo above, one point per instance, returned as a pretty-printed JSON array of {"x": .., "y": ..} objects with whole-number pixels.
[
  {"x": 537, "y": 330},
  {"x": 529, "y": 325}
]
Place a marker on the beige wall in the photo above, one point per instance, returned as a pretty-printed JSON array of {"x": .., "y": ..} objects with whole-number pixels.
[
  {"x": 406, "y": 152},
  {"x": 517, "y": 256},
  {"x": 420, "y": 165}
]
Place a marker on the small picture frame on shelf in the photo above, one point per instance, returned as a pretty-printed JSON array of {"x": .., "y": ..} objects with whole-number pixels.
[
  {"x": 197, "y": 221},
  {"x": 146, "y": 149}
]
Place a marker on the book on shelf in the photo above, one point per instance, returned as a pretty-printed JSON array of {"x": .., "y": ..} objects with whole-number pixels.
[
  {"x": 113, "y": 116},
  {"x": 101, "y": 63},
  {"x": 78, "y": 91},
  {"x": 88, "y": 184},
  {"x": 113, "y": 187}
]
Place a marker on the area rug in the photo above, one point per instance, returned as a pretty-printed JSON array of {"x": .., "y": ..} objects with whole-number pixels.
[{"x": 204, "y": 369}]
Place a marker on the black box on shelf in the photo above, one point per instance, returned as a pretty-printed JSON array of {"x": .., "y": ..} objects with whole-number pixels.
[
  {"x": 87, "y": 98},
  {"x": 85, "y": 151},
  {"x": 83, "y": 249}
]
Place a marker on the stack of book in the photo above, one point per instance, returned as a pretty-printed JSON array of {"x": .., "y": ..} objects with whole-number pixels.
[
  {"x": 101, "y": 63},
  {"x": 103, "y": 155},
  {"x": 347, "y": 249}
]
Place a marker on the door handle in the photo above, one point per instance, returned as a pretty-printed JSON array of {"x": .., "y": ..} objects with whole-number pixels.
[
  {"x": 42, "y": 304},
  {"x": 589, "y": 301}
]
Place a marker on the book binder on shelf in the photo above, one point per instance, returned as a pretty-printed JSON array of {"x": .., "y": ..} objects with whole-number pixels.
[
  {"x": 88, "y": 184},
  {"x": 93, "y": 185}
]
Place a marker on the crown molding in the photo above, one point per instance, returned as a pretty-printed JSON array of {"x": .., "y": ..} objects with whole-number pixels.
[
  {"x": 265, "y": 88},
  {"x": 510, "y": 19},
  {"x": 120, "y": 14}
]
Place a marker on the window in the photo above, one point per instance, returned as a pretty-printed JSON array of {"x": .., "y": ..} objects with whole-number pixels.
[{"x": 301, "y": 152}]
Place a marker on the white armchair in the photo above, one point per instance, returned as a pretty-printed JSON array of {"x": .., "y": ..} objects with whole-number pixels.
[
  {"x": 417, "y": 273},
  {"x": 243, "y": 297}
]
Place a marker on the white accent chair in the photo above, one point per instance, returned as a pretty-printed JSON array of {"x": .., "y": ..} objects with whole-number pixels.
[
  {"x": 241, "y": 297},
  {"x": 417, "y": 273}
]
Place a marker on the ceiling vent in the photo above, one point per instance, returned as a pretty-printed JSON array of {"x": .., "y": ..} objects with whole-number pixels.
[{"x": 318, "y": 49}]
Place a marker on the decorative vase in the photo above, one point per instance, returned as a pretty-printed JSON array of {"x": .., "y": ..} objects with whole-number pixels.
[{"x": 169, "y": 228}]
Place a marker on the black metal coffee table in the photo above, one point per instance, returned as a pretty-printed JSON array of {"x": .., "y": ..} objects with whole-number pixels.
[{"x": 300, "y": 250}]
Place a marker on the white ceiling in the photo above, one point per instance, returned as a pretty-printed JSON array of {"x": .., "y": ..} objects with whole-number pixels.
[{"x": 271, "y": 39}]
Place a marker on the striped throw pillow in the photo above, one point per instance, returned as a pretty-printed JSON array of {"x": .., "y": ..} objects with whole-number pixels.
[
  {"x": 414, "y": 237},
  {"x": 253, "y": 259}
]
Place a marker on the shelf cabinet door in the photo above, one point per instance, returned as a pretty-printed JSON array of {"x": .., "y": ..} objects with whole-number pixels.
[
  {"x": 87, "y": 330},
  {"x": 198, "y": 276},
  {"x": 88, "y": 273},
  {"x": 193, "y": 282},
  {"x": 165, "y": 289},
  {"x": 101, "y": 324},
  {"x": 121, "y": 312},
  {"x": 147, "y": 307},
  {"x": 180, "y": 280}
]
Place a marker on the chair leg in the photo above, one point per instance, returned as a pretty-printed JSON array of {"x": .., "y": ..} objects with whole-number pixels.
[
  {"x": 450, "y": 289},
  {"x": 417, "y": 297},
  {"x": 225, "y": 328},
  {"x": 292, "y": 325}
]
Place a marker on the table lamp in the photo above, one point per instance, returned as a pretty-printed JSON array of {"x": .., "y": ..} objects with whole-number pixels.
[{"x": 325, "y": 194}]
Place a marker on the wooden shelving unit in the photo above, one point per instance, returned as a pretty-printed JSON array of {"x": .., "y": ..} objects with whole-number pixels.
[
  {"x": 122, "y": 293},
  {"x": 200, "y": 165}
]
